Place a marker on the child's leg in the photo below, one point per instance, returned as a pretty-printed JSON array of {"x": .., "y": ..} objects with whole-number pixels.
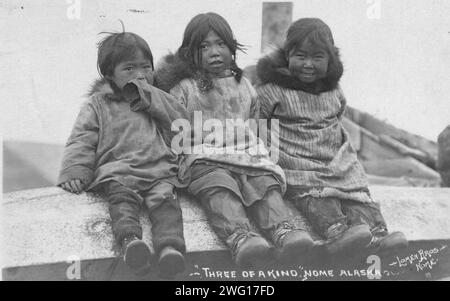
[
  {"x": 167, "y": 228},
  {"x": 370, "y": 214},
  {"x": 124, "y": 206},
  {"x": 273, "y": 215},
  {"x": 166, "y": 217},
  {"x": 225, "y": 211},
  {"x": 227, "y": 217},
  {"x": 322, "y": 213},
  {"x": 271, "y": 211},
  {"x": 328, "y": 219},
  {"x": 364, "y": 213}
]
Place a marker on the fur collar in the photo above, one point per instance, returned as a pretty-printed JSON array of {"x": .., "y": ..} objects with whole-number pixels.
[
  {"x": 103, "y": 87},
  {"x": 171, "y": 70},
  {"x": 273, "y": 68}
]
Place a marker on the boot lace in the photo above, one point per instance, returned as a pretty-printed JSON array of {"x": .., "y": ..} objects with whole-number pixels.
[
  {"x": 127, "y": 240},
  {"x": 334, "y": 230},
  {"x": 280, "y": 233},
  {"x": 235, "y": 240}
]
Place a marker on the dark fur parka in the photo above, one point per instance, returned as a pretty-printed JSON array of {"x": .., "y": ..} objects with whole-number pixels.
[
  {"x": 171, "y": 70},
  {"x": 273, "y": 68}
]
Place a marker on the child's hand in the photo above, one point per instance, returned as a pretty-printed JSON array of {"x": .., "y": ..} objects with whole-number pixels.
[
  {"x": 75, "y": 186},
  {"x": 137, "y": 93}
]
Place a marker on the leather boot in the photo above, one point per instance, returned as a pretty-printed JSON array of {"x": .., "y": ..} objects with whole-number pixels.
[
  {"x": 136, "y": 254},
  {"x": 249, "y": 249},
  {"x": 292, "y": 244}
]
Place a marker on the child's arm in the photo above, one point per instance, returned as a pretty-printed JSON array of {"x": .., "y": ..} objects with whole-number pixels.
[
  {"x": 77, "y": 170},
  {"x": 160, "y": 105},
  {"x": 343, "y": 102},
  {"x": 167, "y": 107},
  {"x": 254, "y": 106},
  {"x": 267, "y": 102}
]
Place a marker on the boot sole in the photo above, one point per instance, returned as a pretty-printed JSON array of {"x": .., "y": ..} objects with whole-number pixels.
[
  {"x": 390, "y": 249},
  {"x": 259, "y": 257},
  {"x": 350, "y": 244},
  {"x": 291, "y": 253},
  {"x": 171, "y": 264},
  {"x": 137, "y": 255}
]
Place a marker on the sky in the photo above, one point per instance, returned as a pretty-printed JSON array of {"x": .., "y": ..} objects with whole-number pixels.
[{"x": 396, "y": 54}]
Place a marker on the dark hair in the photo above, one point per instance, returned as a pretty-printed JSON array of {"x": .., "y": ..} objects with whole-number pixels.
[
  {"x": 118, "y": 47},
  {"x": 317, "y": 33},
  {"x": 196, "y": 32}
]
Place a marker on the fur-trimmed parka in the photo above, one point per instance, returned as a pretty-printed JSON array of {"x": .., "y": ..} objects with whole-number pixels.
[
  {"x": 226, "y": 98},
  {"x": 315, "y": 150},
  {"x": 273, "y": 68},
  {"x": 109, "y": 141}
]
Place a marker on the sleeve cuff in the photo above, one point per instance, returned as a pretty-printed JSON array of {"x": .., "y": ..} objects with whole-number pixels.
[{"x": 82, "y": 173}]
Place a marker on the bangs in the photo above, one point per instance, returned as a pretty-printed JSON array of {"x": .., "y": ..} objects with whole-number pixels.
[
  {"x": 117, "y": 48},
  {"x": 199, "y": 27},
  {"x": 223, "y": 31},
  {"x": 311, "y": 30},
  {"x": 316, "y": 40}
]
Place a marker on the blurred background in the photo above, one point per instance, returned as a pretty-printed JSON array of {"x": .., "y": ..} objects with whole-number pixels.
[{"x": 396, "y": 56}]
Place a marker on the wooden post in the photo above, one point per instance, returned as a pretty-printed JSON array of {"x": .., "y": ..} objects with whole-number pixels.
[
  {"x": 443, "y": 162},
  {"x": 276, "y": 18}
]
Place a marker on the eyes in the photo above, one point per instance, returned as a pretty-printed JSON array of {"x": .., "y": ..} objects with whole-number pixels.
[
  {"x": 317, "y": 56},
  {"x": 205, "y": 46},
  {"x": 130, "y": 68}
]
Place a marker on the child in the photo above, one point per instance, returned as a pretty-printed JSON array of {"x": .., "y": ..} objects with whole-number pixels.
[
  {"x": 116, "y": 147},
  {"x": 203, "y": 75},
  {"x": 325, "y": 180}
]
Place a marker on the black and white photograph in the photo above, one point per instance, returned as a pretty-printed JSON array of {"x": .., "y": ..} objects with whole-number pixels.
[{"x": 213, "y": 144}]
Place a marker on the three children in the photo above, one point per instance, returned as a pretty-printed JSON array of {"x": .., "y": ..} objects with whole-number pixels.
[{"x": 119, "y": 146}]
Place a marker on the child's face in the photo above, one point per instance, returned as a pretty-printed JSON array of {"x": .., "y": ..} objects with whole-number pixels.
[
  {"x": 308, "y": 63},
  {"x": 215, "y": 55},
  {"x": 137, "y": 68}
]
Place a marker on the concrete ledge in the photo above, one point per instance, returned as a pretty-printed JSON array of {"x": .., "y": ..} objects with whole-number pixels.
[
  {"x": 47, "y": 231},
  {"x": 50, "y": 225},
  {"x": 44, "y": 226}
]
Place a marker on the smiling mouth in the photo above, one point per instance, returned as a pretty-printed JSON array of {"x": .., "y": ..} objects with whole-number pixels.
[{"x": 216, "y": 63}]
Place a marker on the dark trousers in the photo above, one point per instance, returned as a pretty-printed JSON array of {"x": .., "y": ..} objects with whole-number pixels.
[
  {"x": 325, "y": 212},
  {"x": 163, "y": 209},
  {"x": 227, "y": 214}
]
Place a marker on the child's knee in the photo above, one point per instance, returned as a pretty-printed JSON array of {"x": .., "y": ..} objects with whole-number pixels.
[
  {"x": 218, "y": 194},
  {"x": 124, "y": 196},
  {"x": 162, "y": 192}
]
